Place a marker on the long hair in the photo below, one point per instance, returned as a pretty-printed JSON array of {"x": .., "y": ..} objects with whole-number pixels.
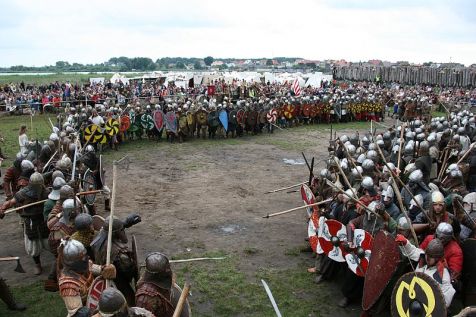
[{"x": 22, "y": 130}]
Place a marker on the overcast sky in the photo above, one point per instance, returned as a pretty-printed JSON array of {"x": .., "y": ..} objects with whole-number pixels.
[{"x": 42, "y": 32}]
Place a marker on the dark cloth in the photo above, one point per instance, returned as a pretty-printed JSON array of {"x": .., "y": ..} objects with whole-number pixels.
[
  {"x": 353, "y": 286},
  {"x": 35, "y": 227}
]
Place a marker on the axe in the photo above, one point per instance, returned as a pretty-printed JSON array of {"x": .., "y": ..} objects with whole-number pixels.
[{"x": 19, "y": 268}]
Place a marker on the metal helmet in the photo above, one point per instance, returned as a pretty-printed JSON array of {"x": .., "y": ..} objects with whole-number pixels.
[
  {"x": 157, "y": 263},
  {"x": 367, "y": 182},
  {"x": 416, "y": 176},
  {"x": 424, "y": 147},
  {"x": 444, "y": 232},
  {"x": 66, "y": 192},
  {"x": 437, "y": 198},
  {"x": 73, "y": 251},
  {"x": 456, "y": 173},
  {"x": 117, "y": 224},
  {"x": 344, "y": 138},
  {"x": 388, "y": 193},
  {"x": 409, "y": 148},
  {"x": 351, "y": 149},
  {"x": 111, "y": 302},
  {"x": 68, "y": 211},
  {"x": 57, "y": 184},
  {"x": 470, "y": 199},
  {"x": 390, "y": 165},
  {"x": 368, "y": 165},
  {"x": 27, "y": 165},
  {"x": 62, "y": 165},
  {"x": 324, "y": 173},
  {"x": 452, "y": 167},
  {"x": 72, "y": 147},
  {"x": 435, "y": 249},
  {"x": 372, "y": 147},
  {"x": 57, "y": 174},
  {"x": 83, "y": 221},
  {"x": 36, "y": 179},
  {"x": 361, "y": 158},
  {"x": 403, "y": 224},
  {"x": 89, "y": 148}
]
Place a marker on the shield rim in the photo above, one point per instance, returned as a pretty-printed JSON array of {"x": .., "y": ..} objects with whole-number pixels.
[
  {"x": 89, "y": 201},
  {"x": 187, "y": 303},
  {"x": 434, "y": 286}
]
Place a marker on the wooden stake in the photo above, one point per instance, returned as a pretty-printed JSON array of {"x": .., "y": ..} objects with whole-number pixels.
[
  {"x": 182, "y": 300},
  {"x": 297, "y": 208},
  {"x": 284, "y": 188}
]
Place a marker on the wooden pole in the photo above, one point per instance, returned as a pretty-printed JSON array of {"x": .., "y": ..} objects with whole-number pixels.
[
  {"x": 284, "y": 188},
  {"x": 111, "y": 216},
  {"x": 182, "y": 300},
  {"x": 399, "y": 196},
  {"x": 49, "y": 161},
  {"x": 400, "y": 147},
  {"x": 25, "y": 206},
  {"x": 342, "y": 172},
  {"x": 297, "y": 208}
]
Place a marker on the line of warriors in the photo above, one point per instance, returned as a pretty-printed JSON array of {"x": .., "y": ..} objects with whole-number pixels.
[
  {"x": 417, "y": 184},
  {"x": 58, "y": 219},
  {"x": 213, "y": 118}
]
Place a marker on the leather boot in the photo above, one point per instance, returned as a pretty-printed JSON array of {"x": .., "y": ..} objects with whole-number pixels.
[{"x": 7, "y": 296}]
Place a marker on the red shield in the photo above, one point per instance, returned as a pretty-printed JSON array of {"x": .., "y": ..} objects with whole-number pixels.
[
  {"x": 159, "y": 119},
  {"x": 358, "y": 259},
  {"x": 240, "y": 116},
  {"x": 385, "y": 260},
  {"x": 95, "y": 291},
  {"x": 306, "y": 110},
  {"x": 331, "y": 236},
  {"x": 125, "y": 123}
]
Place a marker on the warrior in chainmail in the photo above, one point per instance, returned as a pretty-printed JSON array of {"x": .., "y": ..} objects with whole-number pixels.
[
  {"x": 34, "y": 225},
  {"x": 121, "y": 256}
]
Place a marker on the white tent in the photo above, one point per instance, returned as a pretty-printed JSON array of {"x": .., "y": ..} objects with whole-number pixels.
[
  {"x": 97, "y": 80},
  {"x": 119, "y": 78}
]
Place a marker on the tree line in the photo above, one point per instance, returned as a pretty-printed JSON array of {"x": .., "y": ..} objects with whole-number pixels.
[{"x": 124, "y": 64}]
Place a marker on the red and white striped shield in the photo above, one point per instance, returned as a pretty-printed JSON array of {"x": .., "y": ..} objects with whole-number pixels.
[
  {"x": 358, "y": 259},
  {"x": 308, "y": 198},
  {"x": 331, "y": 236},
  {"x": 296, "y": 87},
  {"x": 272, "y": 116}
]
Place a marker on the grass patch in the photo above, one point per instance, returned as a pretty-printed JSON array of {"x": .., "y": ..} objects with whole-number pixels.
[
  {"x": 220, "y": 289},
  {"x": 251, "y": 250},
  {"x": 10, "y": 125},
  {"x": 39, "y": 302},
  {"x": 438, "y": 114}
]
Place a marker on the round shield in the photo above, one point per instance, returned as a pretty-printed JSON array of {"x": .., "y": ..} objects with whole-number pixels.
[
  {"x": 147, "y": 122},
  {"x": 213, "y": 120},
  {"x": 159, "y": 119},
  {"x": 90, "y": 132},
  {"x": 132, "y": 116},
  {"x": 313, "y": 111},
  {"x": 330, "y": 239},
  {"x": 272, "y": 116},
  {"x": 125, "y": 123},
  {"x": 252, "y": 118},
  {"x": 358, "y": 259},
  {"x": 232, "y": 117},
  {"x": 306, "y": 110},
  {"x": 95, "y": 291},
  {"x": 112, "y": 127},
  {"x": 89, "y": 184},
  {"x": 175, "y": 293},
  {"x": 320, "y": 228},
  {"x": 288, "y": 111},
  {"x": 201, "y": 117},
  {"x": 416, "y": 294},
  {"x": 100, "y": 138}
]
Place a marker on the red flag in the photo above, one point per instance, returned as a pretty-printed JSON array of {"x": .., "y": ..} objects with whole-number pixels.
[{"x": 296, "y": 88}]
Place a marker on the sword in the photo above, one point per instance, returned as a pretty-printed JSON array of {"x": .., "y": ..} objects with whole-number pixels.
[{"x": 271, "y": 298}]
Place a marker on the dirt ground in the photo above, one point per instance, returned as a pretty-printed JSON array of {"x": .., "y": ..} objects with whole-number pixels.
[{"x": 204, "y": 196}]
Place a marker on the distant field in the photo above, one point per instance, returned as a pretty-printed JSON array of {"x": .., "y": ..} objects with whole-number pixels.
[{"x": 60, "y": 77}]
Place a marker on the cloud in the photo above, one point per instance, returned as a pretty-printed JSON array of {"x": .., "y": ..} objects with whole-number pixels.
[{"x": 43, "y": 32}]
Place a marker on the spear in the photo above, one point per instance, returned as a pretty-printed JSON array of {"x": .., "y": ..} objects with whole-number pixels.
[
  {"x": 284, "y": 188},
  {"x": 297, "y": 208}
]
